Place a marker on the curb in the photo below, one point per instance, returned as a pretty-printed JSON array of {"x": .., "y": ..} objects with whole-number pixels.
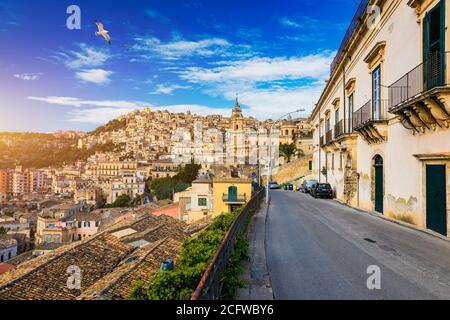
[
  {"x": 400, "y": 223},
  {"x": 265, "y": 248}
]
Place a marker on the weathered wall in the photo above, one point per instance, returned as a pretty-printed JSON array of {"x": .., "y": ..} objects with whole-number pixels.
[{"x": 292, "y": 171}]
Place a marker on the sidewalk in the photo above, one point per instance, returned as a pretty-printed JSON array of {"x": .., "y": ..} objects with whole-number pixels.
[{"x": 256, "y": 274}]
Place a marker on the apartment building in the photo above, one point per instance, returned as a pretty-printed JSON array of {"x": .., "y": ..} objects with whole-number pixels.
[
  {"x": 381, "y": 126},
  {"x": 130, "y": 183},
  {"x": 196, "y": 202}
]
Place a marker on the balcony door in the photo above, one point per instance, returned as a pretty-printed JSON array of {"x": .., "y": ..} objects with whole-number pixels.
[
  {"x": 232, "y": 193},
  {"x": 434, "y": 46},
  {"x": 350, "y": 114},
  {"x": 376, "y": 93}
]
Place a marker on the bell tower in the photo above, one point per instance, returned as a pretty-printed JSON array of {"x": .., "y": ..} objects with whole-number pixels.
[{"x": 237, "y": 119}]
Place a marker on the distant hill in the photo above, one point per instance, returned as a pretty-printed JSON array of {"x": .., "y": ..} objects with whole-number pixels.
[{"x": 39, "y": 150}]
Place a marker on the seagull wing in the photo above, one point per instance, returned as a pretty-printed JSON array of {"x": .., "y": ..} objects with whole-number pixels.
[
  {"x": 107, "y": 37},
  {"x": 99, "y": 26}
]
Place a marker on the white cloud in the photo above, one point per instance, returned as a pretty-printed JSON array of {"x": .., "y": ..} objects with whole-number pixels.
[
  {"x": 168, "y": 89},
  {"x": 289, "y": 23},
  {"x": 97, "y": 76},
  {"x": 97, "y": 116},
  {"x": 77, "y": 102},
  {"x": 267, "y": 87},
  {"x": 99, "y": 112},
  {"x": 182, "y": 48},
  {"x": 264, "y": 69},
  {"x": 87, "y": 57},
  {"x": 28, "y": 76}
]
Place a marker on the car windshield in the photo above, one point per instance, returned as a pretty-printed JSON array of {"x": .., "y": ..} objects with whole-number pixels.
[{"x": 324, "y": 186}]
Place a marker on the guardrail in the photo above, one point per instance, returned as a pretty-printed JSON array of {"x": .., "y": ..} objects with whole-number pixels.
[{"x": 210, "y": 285}]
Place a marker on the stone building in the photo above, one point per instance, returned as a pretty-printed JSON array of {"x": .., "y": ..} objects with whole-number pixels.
[{"x": 381, "y": 132}]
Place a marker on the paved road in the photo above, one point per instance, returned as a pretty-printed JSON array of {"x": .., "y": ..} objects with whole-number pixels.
[{"x": 320, "y": 249}]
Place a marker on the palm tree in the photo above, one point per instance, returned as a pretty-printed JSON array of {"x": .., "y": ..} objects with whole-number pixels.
[{"x": 287, "y": 150}]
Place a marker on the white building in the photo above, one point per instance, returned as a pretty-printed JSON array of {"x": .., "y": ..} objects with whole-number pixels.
[
  {"x": 381, "y": 132},
  {"x": 8, "y": 249}
]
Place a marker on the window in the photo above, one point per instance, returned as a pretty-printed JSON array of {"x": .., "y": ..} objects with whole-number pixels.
[
  {"x": 2, "y": 258},
  {"x": 9, "y": 255},
  {"x": 202, "y": 202},
  {"x": 310, "y": 165},
  {"x": 350, "y": 114},
  {"x": 376, "y": 93},
  {"x": 336, "y": 116}
]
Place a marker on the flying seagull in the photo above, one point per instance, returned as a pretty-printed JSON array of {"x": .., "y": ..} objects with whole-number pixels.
[{"x": 102, "y": 32}]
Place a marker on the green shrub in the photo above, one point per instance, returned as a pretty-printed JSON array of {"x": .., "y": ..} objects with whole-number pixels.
[
  {"x": 193, "y": 260},
  {"x": 230, "y": 279}
]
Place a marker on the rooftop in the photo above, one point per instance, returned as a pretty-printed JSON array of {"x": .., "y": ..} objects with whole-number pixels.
[{"x": 109, "y": 264}]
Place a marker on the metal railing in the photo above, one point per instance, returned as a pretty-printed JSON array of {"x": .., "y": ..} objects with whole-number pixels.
[
  {"x": 339, "y": 129},
  {"x": 210, "y": 285},
  {"x": 353, "y": 25},
  {"x": 329, "y": 136},
  {"x": 234, "y": 198},
  {"x": 372, "y": 111},
  {"x": 424, "y": 77}
]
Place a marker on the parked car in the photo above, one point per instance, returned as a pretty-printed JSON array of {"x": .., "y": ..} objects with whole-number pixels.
[
  {"x": 307, "y": 185},
  {"x": 322, "y": 190},
  {"x": 274, "y": 185}
]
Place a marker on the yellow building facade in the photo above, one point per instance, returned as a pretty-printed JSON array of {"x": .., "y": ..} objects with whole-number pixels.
[{"x": 230, "y": 194}]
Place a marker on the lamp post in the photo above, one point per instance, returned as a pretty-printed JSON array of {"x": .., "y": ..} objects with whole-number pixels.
[{"x": 269, "y": 177}]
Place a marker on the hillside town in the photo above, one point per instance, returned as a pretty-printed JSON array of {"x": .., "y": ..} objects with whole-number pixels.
[
  {"x": 275, "y": 197},
  {"x": 47, "y": 208}
]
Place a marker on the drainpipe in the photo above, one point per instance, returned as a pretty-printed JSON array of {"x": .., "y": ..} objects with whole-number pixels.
[{"x": 357, "y": 193}]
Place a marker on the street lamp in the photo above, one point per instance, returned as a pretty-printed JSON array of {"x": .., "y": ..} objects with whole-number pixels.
[{"x": 269, "y": 177}]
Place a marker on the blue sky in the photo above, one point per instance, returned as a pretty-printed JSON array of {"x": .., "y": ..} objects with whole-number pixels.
[{"x": 176, "y": 55}]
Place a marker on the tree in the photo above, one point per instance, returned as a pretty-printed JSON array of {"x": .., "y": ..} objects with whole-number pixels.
[
  {"x": 122, "y": 201},
  {"x": 164, "y": 188},
  {"x": 287, "y": 150}
]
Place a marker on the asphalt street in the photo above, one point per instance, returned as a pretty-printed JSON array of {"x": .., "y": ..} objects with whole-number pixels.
[{"x": 320, "y": 249}]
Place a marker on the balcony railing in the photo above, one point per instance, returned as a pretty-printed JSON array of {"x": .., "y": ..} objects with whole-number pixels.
[
  {"x": 339, "y": 129},
  {"x": 234, "y": 198},
  {"x": 426, "y": 76},
  {"x": 372, "y": 111},
  {"x": 329, "y": 136},
  {"x": 356, "y": 21}
]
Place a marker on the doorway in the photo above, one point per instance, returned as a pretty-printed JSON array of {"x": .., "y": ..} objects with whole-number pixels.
[
  {"x": 436, "y": 198},
  {"x": 379, "y": 184}
]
